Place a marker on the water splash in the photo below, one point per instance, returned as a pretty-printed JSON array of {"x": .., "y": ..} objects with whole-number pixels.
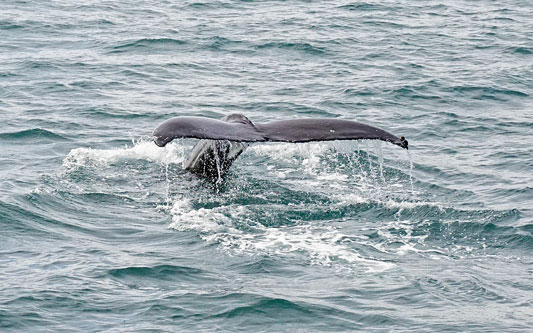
[{"x": 141, "y": 150}]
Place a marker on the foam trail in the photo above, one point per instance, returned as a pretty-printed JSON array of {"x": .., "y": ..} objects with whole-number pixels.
[{"x": 322, "y": 245}]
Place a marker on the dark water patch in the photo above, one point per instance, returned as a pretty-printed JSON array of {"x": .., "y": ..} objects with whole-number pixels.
[
  {"x": 100, "y": 22},
  {"x": 469, "y": 129},
  {"x": 219, "y": 43},
  {"x": 8, "y": 25},
  {"x": 480, "y": 92},
  {"x": 57, "y": 300},
  {"x": 268, "y": 265},
  {"x": 83, "y": 84},
  {"x": 384, "y": 24},
  {"x": 37, "y": 135},
  {"x": 9, "y": 75},
  {"x": 52, "y": 88},
  {"x": 415, "y": 93},
  {"x": 135, "y": 73},
  {"x": 210, "y": 5},
  {"x": 188, "y": 65},
  {"x": 160, "y": 272},
  {"x": 149, "y": 45},
  {"x": 521, "y": 50},
  {"x": 360, "y": 92},
  {"x": 29, "y": 25},
  {"x": 282, "y": 312},
  {"x": 306, "y": 48},
  {"x": 448, "y": 114},
  {"x": 172, "y": 312},
  {"x": 39, "y": 64},
  {"x": 100, "y": 197},
  {"x": 267, "y": 307},
  {"x": 365, "y": 7},
  {"x": 286, "y": 92}
]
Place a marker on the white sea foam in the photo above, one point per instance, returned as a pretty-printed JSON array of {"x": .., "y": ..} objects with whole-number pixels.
[
  {"x": 185, "y": 218},
  {"x": 322, "y": 245},
  {"x": 357, "y": 198},
  {"x": 143, "y": 150}
]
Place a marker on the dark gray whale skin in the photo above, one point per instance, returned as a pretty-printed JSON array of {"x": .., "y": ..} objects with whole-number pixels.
[{"x": 222, "y": 141}]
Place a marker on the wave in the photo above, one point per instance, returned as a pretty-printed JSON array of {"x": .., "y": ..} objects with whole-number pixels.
[
  {"x": 27, "y": 218},
  {"x": 198, "y": 5},
  {"x": 8, "y": 25},
  {"x": 301, "y": 47},
  {"x": 162, "y": 272},
  {"x": 521, "y": 50},
  {"x": 481, "y": 92},
  {"x": 366, "y": 7},
  {"x": 220, "y": 43},
  {"x": 34, "y": 133},
  {"x": 148, "y": 43}
]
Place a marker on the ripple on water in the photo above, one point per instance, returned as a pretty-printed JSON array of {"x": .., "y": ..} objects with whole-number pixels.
[{"x": 38, "y": 134}]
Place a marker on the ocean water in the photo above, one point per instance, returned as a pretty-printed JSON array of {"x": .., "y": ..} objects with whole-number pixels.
[{"x": 101, "y": 230}]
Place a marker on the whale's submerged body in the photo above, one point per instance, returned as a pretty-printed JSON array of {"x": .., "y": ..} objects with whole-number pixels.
[{"x": 222, "y": 141}]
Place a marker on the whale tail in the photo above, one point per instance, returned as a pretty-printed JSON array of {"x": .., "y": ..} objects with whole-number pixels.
[{"x": 222, "y": 141}]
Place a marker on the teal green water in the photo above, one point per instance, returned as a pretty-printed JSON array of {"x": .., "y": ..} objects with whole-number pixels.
[{"x": 101, "y": 230}]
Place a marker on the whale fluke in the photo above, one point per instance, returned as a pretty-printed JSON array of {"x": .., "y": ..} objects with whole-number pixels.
[
  {"x": 232, "y": 132},
  {"x": 237, "y": 127}
]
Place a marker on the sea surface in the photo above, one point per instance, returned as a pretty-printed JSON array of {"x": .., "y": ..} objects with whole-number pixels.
[{"x": 103, "y": 231}]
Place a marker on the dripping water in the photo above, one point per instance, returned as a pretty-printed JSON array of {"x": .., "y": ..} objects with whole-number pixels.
[
  {"x": 218, "y": 163},
  {"x": 379, "y": 151},
  {"x": 411, "y": 166}
]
